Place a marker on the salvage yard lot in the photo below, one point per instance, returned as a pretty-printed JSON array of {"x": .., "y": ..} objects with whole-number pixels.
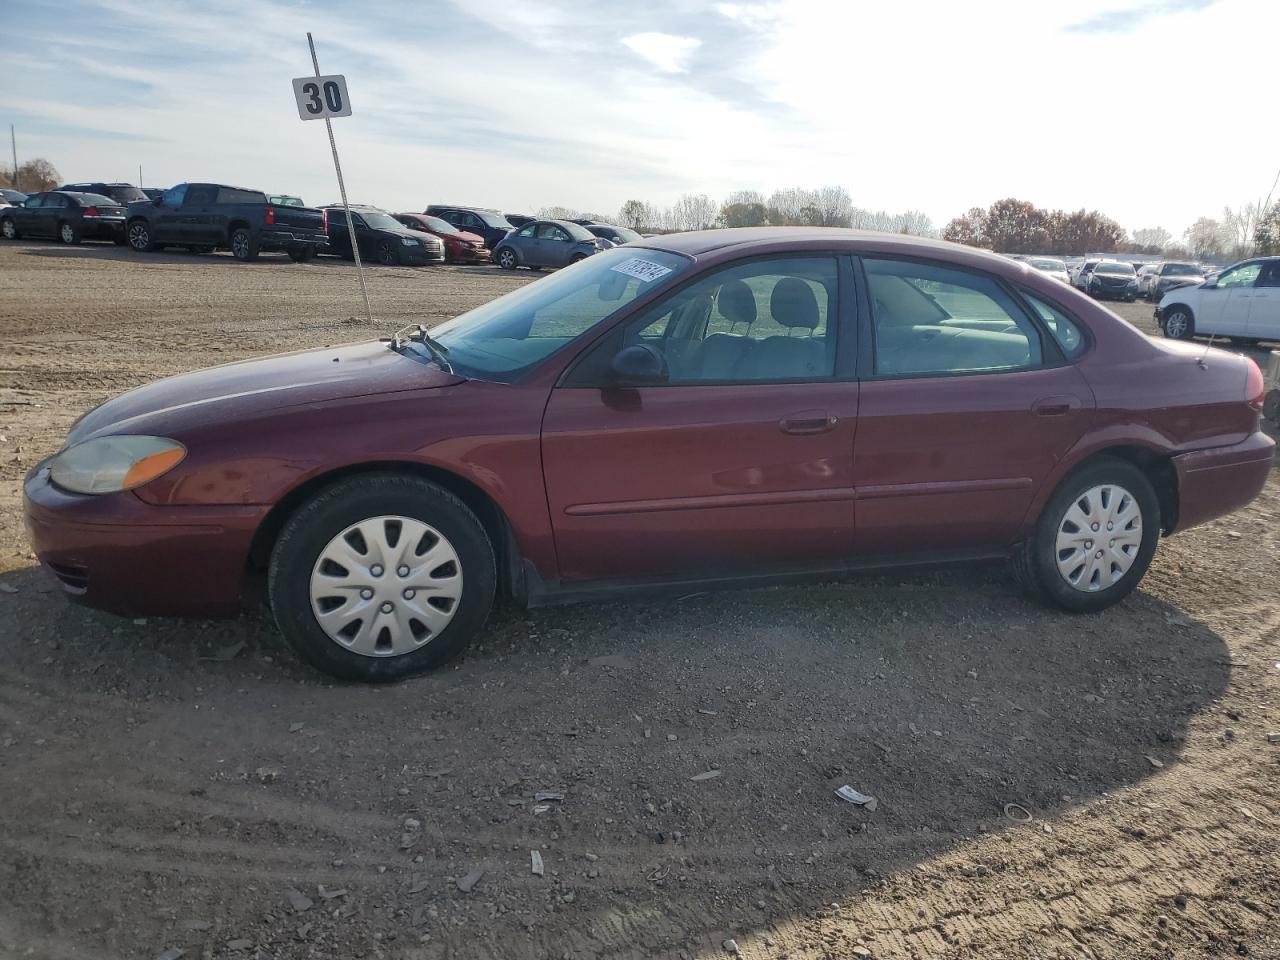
[{"x": 189, "y": 785}]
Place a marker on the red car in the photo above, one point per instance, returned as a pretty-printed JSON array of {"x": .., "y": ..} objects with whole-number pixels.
[
  {"x": 459, "y": 246},
  {"x": 702, "y": 409}
]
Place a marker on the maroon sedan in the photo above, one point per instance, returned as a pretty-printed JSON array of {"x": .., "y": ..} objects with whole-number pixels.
[
  {"x": 703, "y": 409},
  {"x": 459, "y": 246}
]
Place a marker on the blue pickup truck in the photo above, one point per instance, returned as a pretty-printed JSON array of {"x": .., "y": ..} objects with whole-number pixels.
[{"x": 205, "y": 216}]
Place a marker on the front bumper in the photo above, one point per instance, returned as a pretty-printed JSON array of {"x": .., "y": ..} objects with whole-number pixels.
[
  {"x": 117, "y": 553},
  {"x": 469, "y": 255},
  {"x": 1214, "y": 482},
  {"x": 1113, "y": 293},
  {"x": 420, "y": 255}
]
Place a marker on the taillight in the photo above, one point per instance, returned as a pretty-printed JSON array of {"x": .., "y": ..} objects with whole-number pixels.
[
  {"x": 324, "y": 220},
  {"x": 1254, "y": 389},
  {"x": 271, "y": 215},
  {"x": 91, "y": 211}
]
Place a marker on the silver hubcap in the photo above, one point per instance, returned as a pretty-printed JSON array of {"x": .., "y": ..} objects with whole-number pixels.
[
  {"x": 8, "y": 229},
  {"x": 508, "y": 258},
  {"x": 240, "y": 244},
  {"x": 1176, "y": 325},
  {"x": 138, "y": 235},
  {"x": 1099, "y": 538},
  {"x": 67, "y": 233},
  {"x": 386, "y": 586}
]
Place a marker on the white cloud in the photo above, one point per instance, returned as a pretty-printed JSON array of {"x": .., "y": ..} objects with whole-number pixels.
[{"x": 667, "y": 52}]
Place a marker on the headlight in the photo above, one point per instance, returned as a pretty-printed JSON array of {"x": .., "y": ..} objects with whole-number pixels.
[
  {"x": 112, "y": 464},
  {"x": 409, "y": 241}
]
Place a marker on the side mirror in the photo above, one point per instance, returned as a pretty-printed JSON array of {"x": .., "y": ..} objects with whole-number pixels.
[{"x": 638, "y": 366}]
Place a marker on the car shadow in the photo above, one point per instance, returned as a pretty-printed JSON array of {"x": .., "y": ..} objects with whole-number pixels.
[{"x": 697, "y": 743}]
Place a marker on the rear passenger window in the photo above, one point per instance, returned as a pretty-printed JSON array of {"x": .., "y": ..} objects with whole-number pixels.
[
  {"x": 1068, "y": 335},
  {"x": 759, "y": 322},
  {"x": 232, "y": 195},
  {"x": 202, "y": 195},
  {"x": 936, "y": 320}
]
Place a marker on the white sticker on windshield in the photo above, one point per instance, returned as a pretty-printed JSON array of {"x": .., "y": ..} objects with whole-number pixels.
[{"x": 646, "y": 271}]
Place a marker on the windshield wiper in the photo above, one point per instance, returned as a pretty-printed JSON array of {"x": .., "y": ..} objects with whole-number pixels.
[{"x": 416, "y": 331}]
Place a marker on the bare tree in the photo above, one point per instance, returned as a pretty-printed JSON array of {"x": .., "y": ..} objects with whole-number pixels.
[
  {"x": 635, "y": 214},
  {"x": 33, "y": 176},
  {"x": 831, "y": 207},
  {"x": 1205, "y": 239},
  {"x": 1152, "y": 239},
  {"x": 744, "y": 197},
  {"x": 693, "y": 211},
  {"x": 558, "y": 213},
  {"x": 1238, "y": 228}
]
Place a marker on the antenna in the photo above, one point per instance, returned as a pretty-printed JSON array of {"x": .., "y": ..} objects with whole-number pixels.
[{"x": 1203, "y": 363}]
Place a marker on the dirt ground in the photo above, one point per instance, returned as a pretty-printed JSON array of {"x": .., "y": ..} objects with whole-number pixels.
[{"x": 173, "y": 786}]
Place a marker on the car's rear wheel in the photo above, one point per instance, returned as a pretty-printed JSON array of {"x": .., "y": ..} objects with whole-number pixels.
[
  {"x": 140, "y": 237},
  {"x": 507, "y": 259},
  {"x": 387, "y": 254},
  {"x": 1095, "y": 538},
  {"x": 1178, "y": 324},
  {"x": 380, "y": 577},
  {"x": 68, "y": 233},
  {"x": 8, "y": 229},
  {"x": 243, "y": 245}
]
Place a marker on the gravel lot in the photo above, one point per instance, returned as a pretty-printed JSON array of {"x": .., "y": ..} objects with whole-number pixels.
[{"x": 188, "y": 785}]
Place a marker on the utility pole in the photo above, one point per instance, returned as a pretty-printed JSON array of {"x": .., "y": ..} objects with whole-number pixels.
[
  {"x": 13, "y": 139},
  {"x": 139, "y": 176}
]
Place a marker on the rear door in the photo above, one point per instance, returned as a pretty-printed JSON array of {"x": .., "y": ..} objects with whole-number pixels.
[
  {"x": 741, "y": 460},
  {"x": 967, "y": 404},
  {"x": 1264, "y": 314},
  {"x": 200, "y": 215}
]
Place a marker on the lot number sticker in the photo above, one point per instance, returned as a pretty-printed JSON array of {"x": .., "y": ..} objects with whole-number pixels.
[
  {"x": 646, "y": 271},
  {"x": 321, "y": 97}
]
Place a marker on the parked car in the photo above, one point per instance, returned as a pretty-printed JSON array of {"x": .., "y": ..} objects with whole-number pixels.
[
  {"x": 1080, "y": 279},
  {"x": 205, "y": 216},
  {"x": 1144, "y": 275},
  {"x": 1112, "y": 280},
  {"x": 122, "y": 193},
  {"x": 459, "y": 245},
  {"x": 65, "y": 215},
  {"x": 678, "y": 414},
  {"x": 15, "y": 197},
  {"x": 1271, "y": 388},
  {"x": 1170, "y": 276},
  {"x": 518, "y": 219},
  {"x": 1049, "y": 266},
  {"x": 482, "y": 221},
  {"x": 285, "y": 200},
  {"x": 611, "y": 233},
  {"x": 1243, "y": 303},
  {"x": 547, "y": 243},
  {"x": 152, "y": 192},
  {"x": 381, "y": 238}
]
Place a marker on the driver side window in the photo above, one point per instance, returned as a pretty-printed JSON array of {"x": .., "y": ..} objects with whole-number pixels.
[
  {"x": 174, "y": 196},
  {"x": 760, "y": 322}
]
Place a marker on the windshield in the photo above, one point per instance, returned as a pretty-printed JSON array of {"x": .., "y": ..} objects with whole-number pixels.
[
  {"x": 1114, "y": 269},
  {"x": 1181, "y": 270},
  {"x": 438, "y": 225},
  {"x": 378, "y": 220},
  {"x": 624, "y": 234},
  {"x": 281, "y": 200},
  {"x": 1048, "y": 265},
  {"x": 495, "y": 220},
  {"x": 506, "y": 336}
]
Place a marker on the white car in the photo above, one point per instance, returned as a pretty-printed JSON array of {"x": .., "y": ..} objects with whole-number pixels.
[
  {"x": 1050, "y": 266},
  {"x": 1243, "y": 302},
  {"x": 1144, "y": 278}
]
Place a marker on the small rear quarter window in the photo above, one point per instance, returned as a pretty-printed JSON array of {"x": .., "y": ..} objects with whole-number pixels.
[
  {"x": 232, "y": 195},
  {"x": 1064, "y": 330}
]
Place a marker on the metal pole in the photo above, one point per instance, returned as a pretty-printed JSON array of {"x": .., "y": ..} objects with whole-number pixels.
[
  {"x": 342, "y": 189},
  {"x": 139, "y": 176},
  {"x": 13, "y": 139}
]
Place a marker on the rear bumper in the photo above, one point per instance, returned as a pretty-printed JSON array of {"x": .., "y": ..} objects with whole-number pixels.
[
  {"x": 292, "y": 240},
  {"x": 1212, "y": 483},
  {"x": 119, "y": 554},
  {"x": 102, "y": 228}
]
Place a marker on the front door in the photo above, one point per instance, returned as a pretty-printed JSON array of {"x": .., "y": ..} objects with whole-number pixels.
[
  {"x": 1264, "y": 315},
  {"x": 967, "y": 406},
  {"x": 1235, "y": 294},
  {"x": 740, "y": 461},
  {"x": 167, "y": 219},
  {"x": 35, "y": 217}
]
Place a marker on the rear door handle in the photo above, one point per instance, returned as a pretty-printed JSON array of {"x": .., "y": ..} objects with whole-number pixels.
[
  {"x": 1055, "y": 406},
  {"x": 808, "y": 421}
]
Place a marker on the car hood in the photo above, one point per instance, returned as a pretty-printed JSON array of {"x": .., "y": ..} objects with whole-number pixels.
[
  {"x": 252, "y": 386},
  {"x": 464, "y": 235}
]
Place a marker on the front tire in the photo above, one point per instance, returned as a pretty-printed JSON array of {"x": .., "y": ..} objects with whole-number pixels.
[
  {"x": 140, "y": 238},
  {"x": 387, "y": 254},
  {"x": 244, "y": 246},
  {"x": 352, "y": 567},
  {"x": 9, "y": 229},
  {"x": 1094, "y": 540},
  {"x": 1178, "y": 323},
  {"x": 507, "y": 259}
]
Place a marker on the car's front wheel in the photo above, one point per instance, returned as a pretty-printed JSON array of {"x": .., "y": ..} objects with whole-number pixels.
[
  {"x": 387, "y": 254},
  {"x": 507, "y": 259},
  {"x": 8, "y": 229},
  {"x": 1178, "y": 324},
  {"x": 1095, "y": 538},
  {"x": 380, "y": 577},
  {"x": 140, "y": 237}
]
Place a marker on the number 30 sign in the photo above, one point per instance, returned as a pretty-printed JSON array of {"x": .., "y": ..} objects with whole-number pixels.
[{"x": 321, "y": 97}]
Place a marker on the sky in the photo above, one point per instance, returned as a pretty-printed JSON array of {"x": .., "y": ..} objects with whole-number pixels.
[{"x": 1155, "y": 112}]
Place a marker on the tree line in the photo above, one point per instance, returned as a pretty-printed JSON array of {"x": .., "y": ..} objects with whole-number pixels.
[{"x": 33, "y": 176}]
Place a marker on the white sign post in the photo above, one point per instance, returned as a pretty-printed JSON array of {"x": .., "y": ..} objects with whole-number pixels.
[{"x": 323, "y": 98}]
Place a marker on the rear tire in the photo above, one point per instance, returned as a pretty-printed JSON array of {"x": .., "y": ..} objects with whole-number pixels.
[
  {"x": 1178, "y": 323},
  {"x": 1072, "y": 559},
  {"x": 244, "y": 246},
  {"x": 68, "y": 233},
  {"x": 9, "y": 229},
  {"x": 303, "y": 584}
]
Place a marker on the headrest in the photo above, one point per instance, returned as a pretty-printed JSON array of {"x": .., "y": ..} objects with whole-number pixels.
[
  {"x": 737, "y": 303},
  {"x": 793, "y": 304}
]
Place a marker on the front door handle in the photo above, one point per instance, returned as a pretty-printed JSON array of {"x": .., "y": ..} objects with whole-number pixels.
[
  {"x": 1055, "y": 406},
  {"x": 808, "y": 421}
]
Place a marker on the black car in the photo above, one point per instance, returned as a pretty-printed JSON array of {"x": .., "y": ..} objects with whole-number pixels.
[
  {"x": 485, "y": 222},
  {"x": 610, "y": 232},
  {"x": 64, "y": 215},
  {"x": 205, "y": 216},
  {"x": 381, "y": 237},
  {"x": 122, "y": 193},
  {"x": 1113, "y": 281},
  {"x": 518, "y": 220}
]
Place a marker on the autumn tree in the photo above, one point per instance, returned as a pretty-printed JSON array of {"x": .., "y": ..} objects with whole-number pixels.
[
  {"x": 33, "y": 176},
  {"x": 1016, "y": 226},
  {"x": 744, "y": 214},
  {"x": 969, "y": 229}
]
